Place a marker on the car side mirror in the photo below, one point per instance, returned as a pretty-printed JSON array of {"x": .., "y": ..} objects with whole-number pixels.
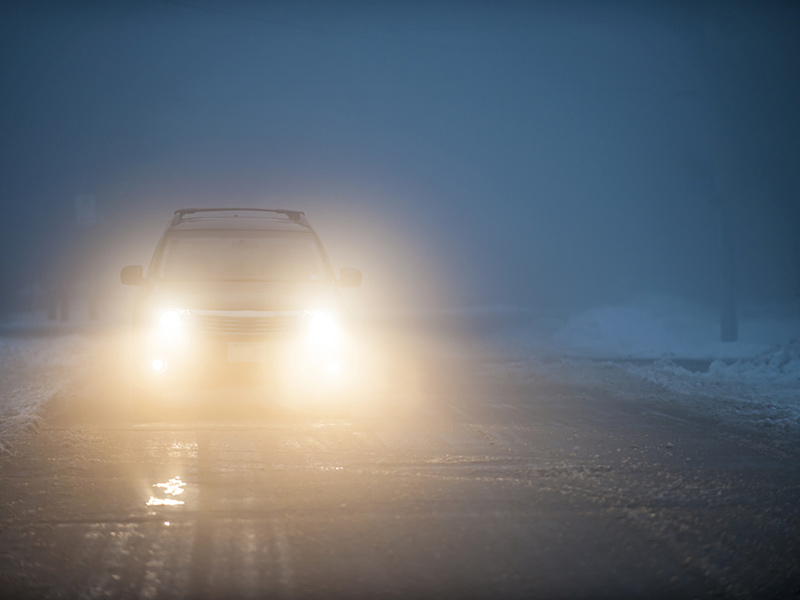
[
  {"x": 349, "y": 277},
  {"x": 132, "y": 275}
]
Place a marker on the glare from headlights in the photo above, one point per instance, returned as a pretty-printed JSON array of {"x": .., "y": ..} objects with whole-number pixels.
[
  {"x": 323, "y": 330},
  {"x": 333, "y": 368},
  {"x": 170, "y": 320}
]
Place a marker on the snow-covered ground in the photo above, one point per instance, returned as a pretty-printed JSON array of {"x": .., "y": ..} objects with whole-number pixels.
[
  {"x": 763, "y": 390},
  {"x": 33, "y": 370},
  {"x": 758, "y": 392},
  {"x": 642, "y": 349}
]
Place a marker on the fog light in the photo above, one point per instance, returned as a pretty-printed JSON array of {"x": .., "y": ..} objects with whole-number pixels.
[{"x": 159, "y": 364}]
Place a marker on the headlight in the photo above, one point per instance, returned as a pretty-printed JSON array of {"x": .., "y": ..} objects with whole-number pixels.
[
  {"x": 172, "y": 322},
  {"x": 323, "y": 330}
]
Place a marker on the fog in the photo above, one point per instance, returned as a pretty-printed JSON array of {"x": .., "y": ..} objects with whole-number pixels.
[
  {"x": 462, "y": 155},
  {"x": 568, "y": 367}
]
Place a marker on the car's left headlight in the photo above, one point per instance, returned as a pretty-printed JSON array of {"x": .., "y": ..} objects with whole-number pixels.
[
  {"x": 323, "y": 330},
  {"x": 172, "y": 322}
]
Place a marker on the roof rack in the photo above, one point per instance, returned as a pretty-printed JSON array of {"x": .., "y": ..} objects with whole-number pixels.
[{"x": 296, "y": 216}]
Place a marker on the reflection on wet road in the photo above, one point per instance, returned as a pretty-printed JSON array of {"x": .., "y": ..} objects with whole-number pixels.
[{"x": 173, "y": 487}]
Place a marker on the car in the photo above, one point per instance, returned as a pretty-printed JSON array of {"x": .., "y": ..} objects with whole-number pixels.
[{"x": 238, "y": 297}]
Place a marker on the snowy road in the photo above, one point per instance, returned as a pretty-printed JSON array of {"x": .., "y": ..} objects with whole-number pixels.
[{"x": 489, "y": 484}]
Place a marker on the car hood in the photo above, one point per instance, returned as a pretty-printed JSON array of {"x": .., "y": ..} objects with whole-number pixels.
[{"x": 242, "y": 295}]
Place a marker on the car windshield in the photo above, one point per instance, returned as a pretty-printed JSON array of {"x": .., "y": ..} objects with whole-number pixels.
[{"x": 241, "y": 255}]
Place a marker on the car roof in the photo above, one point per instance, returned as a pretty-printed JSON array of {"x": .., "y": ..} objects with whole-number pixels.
[
  {"x": 218, "y": 223},
  {"x": 238, "y": 219}
]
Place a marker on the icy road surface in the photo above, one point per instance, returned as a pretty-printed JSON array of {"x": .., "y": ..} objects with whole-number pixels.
[{"x": 466, "y": 477}]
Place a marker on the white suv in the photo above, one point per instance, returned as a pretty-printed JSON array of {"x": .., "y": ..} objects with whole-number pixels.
[{"x": 237, "y": 297}]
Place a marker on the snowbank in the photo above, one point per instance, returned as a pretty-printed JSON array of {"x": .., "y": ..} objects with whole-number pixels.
[
  {"x": 636, "y": 350},
  {"x": 777, "y": 365},
  {"x": 762, "y": 391}
]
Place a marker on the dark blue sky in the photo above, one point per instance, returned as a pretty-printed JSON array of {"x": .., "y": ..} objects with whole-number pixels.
[{"x": 529, "y": 153}]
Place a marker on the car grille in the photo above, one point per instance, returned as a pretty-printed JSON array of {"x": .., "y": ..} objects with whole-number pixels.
[{"x": 252, "y": 325}]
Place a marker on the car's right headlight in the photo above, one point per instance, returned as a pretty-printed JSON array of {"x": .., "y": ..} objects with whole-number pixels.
[{"x": 171, "y": 323}]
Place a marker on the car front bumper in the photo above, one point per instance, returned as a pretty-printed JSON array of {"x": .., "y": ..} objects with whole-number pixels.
[{"x": 212, "y": 360}]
